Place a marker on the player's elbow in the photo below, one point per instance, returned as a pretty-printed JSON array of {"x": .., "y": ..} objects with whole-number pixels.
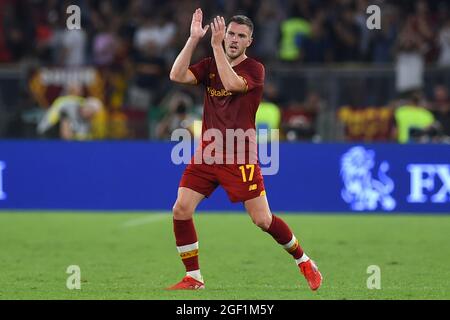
[
  {"x": 228, "y": 87},
  {"x": 180, "y": 78},
  {"x": 173, "y": 76},
  {"x": 176, "y": 75},
  {"x": 234, "y": 87}
]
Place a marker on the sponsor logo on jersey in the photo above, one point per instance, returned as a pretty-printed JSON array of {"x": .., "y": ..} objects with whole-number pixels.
[{"x": 218, "y": 93}]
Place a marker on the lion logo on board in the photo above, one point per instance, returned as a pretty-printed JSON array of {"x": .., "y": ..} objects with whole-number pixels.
[{"x": 361, "y": 190}]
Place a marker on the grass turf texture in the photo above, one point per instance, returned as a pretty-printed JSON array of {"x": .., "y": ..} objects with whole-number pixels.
[{"x": 133, "y": 256}]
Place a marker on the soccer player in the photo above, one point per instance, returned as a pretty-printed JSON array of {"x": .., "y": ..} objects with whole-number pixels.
[{"x": 233, "y": 90}]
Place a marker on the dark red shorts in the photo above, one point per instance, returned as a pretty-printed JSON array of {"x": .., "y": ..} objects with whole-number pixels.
[{"x": 241, "y": 182}]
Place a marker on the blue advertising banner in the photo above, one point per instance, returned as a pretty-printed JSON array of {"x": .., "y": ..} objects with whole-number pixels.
[{"x": 142, "y": 176}]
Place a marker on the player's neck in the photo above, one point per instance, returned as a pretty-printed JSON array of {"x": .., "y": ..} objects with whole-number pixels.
[{"x": 234, "y": 62}]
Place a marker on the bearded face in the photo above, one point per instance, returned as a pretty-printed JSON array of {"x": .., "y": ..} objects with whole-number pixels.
[{"x": 238, "y": 38}]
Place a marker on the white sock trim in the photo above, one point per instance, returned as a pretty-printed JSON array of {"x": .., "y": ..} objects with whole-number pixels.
[
  {"x": 188, "y": 247},
  {"x": 196, "y": 275},
  {"x": 290, "y": 243},
  {"x": 303, "y": 258}
]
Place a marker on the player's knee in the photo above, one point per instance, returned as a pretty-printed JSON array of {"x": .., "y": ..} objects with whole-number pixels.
[
  {"x": 181, "y": 211},
  {"x": 262, "y": 222}
]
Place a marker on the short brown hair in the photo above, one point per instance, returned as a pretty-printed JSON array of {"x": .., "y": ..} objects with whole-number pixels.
[{"x": 241, "y": 19}]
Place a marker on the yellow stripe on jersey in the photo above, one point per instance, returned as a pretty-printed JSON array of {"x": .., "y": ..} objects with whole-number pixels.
[{"x": 246, "y": 84}]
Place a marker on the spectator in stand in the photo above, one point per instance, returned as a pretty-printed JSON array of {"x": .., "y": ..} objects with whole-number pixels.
[
  {"x": 155, "y": 30},
  {"x": 70, "y": 117},
  {"x": 414, "y": 123},
  {"x": 69, "y": 46},
  {"x": 292, "y": 29},
  {"x": 423, "y": 24},
  {"x": 268, "y": 115},
  {"x": 268, "y": 20},
  {"x": 299, "y": 120},
  {"x": 178, "y": 116},
  {"x": 346, "y": 37},
  {"x": 410, "y": 64},
  {"x": 441, "y": 111},
  {"x": 383, "y": 41},
  {"x": 104, "y": 46},
  {"x": 444, "y": 44},
  {"x": 317, "y": 47},
  {"x": 365, "y": 33},
  {"x": 149, "y": 70},
  {"x": 18, "y": 33}
]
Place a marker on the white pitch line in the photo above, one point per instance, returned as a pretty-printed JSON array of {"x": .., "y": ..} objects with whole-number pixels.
[{"x": 145, "y": 220}]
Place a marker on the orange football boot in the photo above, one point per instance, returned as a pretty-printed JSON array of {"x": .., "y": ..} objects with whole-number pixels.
[
  {"x": 188, "y": 283},
  {"x": 311, "y": 273}
]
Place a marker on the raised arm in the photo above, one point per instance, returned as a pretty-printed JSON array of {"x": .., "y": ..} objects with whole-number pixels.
[{"x": 180, "y": 70}]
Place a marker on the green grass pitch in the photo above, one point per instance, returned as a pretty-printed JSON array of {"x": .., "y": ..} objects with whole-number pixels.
[{"x": 133, "y": 256}]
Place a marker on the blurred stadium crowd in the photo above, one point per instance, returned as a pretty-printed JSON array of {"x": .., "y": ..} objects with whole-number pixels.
[{"x": 328, "y": 77}]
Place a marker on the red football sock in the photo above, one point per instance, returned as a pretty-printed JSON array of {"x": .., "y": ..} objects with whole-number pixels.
[
  {"x": 187, "y": 244},
  {"x": 280, "y": 231}
]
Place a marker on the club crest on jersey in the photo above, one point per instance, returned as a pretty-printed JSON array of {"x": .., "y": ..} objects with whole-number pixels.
[
  {"x": 212, "y": 75},
  {"x": 218, "y": 93}
]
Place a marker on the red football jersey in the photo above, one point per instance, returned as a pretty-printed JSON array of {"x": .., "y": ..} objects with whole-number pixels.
[{"x": 226, "y": 110}]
